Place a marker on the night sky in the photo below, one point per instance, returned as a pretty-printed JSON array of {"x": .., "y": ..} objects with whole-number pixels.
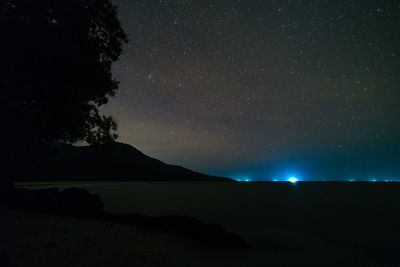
[{"x": 263, "y": 89}]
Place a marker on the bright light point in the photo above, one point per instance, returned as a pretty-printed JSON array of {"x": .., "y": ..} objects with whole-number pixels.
[{"x": 293, "y": 180}]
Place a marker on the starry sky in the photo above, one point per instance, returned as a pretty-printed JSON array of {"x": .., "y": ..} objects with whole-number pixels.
[{"x": 262, "y": 89}]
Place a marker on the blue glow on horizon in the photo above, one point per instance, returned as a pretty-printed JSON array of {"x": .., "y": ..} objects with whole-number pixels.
[
  {"x": 295, "y": 177},
  {"x": 242, "y": 179}
]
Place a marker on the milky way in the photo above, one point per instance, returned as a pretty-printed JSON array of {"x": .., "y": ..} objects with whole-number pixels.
[{"x": 261, "y": 88}]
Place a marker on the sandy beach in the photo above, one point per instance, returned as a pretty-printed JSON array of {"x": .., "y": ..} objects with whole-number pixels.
[{"x": 313, "y": 224}]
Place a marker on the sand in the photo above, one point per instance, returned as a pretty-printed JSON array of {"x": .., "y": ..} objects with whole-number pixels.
[
  {"x": 40, "y": 240},
  {"x": 345, "y": 224}
]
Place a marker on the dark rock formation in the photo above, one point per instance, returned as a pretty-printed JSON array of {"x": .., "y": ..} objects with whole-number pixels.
[
  {"x": 182, "y": 226},
  {"x": 198, "y": 230},
  {"x": 72, "y": 201},
  {"x": 79, "y": 203}
]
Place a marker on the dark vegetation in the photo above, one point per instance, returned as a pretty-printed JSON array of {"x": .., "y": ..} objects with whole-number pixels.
[
  {"x": 55, "y": 72},
  {"x": 56, "y": 69}
]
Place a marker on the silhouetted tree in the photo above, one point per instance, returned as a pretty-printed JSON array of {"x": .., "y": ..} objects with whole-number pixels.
[
  {"x": 56, "y": 68},
  {"x": 55, "y": 71}
]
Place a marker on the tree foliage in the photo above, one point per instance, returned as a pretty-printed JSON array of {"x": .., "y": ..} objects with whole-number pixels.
[{"x": 55, "y": 69}]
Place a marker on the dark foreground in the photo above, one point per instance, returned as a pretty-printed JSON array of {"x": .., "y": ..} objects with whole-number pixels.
[{"x": 309, "y": 224}]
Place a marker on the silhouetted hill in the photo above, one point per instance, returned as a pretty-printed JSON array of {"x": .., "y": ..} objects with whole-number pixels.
[{"x": 109, "y": 162}]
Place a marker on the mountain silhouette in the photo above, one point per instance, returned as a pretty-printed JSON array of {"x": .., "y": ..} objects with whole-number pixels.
[{"x": 112, "y": 161}]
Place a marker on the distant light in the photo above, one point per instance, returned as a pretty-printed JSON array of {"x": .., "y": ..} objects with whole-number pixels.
[
  {"x": 293, "y": 180},
  {"x": 373, "y": 180},
  {"x": 243, "y": 179},
  {"x": 275, "y": 180}
]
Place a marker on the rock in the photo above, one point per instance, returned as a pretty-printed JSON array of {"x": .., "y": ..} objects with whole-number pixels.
[
  {"x": 204, "y": 232},
  {"x": 7, "y": 191},
  {"x": 182, "y": 226},
  {"x": 79, "y": 202}
]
